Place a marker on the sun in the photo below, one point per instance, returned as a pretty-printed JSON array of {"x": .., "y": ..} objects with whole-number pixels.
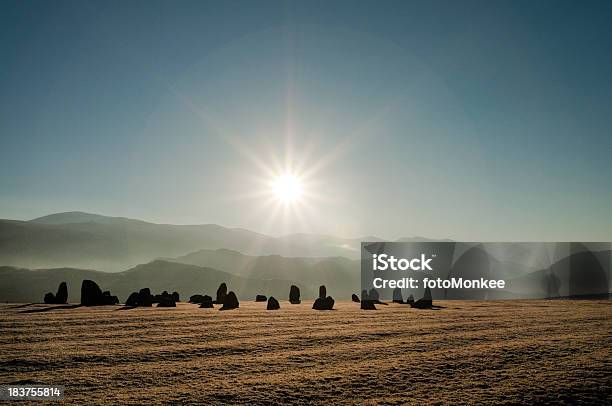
[{"x": 287, "y": 188}]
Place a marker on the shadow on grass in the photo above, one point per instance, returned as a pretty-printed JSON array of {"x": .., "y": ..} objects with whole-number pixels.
[
  {"x": 22, "y": 306},
  {"x": 49, "y": 309},
  {"x": 433, "y": 307}
]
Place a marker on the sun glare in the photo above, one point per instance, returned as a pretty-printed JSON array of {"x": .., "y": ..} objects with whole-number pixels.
[{"x": 287, "y": 188}]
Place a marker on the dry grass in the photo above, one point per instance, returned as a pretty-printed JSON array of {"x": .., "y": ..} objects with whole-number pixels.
[{"x": 470, "y": 352}]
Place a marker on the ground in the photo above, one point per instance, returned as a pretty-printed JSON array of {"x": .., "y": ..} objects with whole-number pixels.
[{"x": 504, "y": 352}]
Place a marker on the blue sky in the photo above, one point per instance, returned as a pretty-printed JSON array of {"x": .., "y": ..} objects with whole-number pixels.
[{"x": 470, "y": 120}]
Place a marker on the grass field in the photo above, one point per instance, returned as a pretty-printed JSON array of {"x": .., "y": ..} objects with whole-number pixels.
[{"x": 469, "y": 352}]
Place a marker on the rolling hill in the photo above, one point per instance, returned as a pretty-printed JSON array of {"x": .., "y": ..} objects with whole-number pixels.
[
  {"x": 333, "y": 271},
  {"x": 90, "y": 241},
  {"x": 24, "y": 285}
]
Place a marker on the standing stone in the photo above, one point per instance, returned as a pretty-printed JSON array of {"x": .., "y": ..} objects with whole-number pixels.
[
  {"x": 294, "y": 295},
  {"x": 367, "y": 305},
  {"x": 260, "y": 298},
  {"x": 91, "y": 295},
  {"x": 355, "y": 298},
  {"x": 145, "y": 298},
  {"x": 61, "y": 296},
  {"x": 397, "y": 296},
  {"x": 273, "y": 304},
  {"x": 322, "y": 291},
  {"x": 163, "y": 296},
  {"x": 109, "y": 299},
  {"x": 366, "y": 302},
  {"x": 133, "y": 300},
  {"x": 424, "y": 303},
  {"x": 206, "y": 302},
  {"x": 221, "y": 293},
  {"x": 230, "y": 302},
  {"x": 175, "y": 296},
  {"x": 373, "y": 295},
  {"x": 324, "y": 303},
  {"x": 196, "y": 299},
  {"x": 410, "y": 299},
  {"x": 166, "y": 301}
]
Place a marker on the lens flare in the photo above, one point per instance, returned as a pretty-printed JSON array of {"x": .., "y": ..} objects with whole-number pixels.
[{"x": 287, "y": 188}]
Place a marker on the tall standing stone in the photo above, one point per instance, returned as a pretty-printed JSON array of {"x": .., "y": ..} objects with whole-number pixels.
[
  {"x": 397, "y": 296},
  {"x": 221, "y": 293},
  {"x": 91, "y": 295},
  {"x": 272, "y": 304},
  {"x": 62, "y": 293},
  {"x": 294, "y": 295},
  {"x": 230, "y": 302},
  {"x": 323, "y": 303}
]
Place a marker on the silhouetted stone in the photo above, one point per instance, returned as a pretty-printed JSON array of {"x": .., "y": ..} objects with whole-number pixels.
[
  {"x": 196, "y": 299},
  {"x": 61, "y": 297},
  {"x": 397, "y": 296},
  {"x": 230, "y": 302},
  {"x": 427, "y": 295},
  {"x": 175, "y": 296},
  {"x": 166, "y": 301},
  {"x": 324, "y": 303},
  {"x": 367, "y": 305},
  {"x": 164, "y": 296},
  {"x": 207, "y": 302},
  {"x": 91, "y": 295},
  {"x": 355, "y": 298},
  {"x": 110, "y": 300},
  {"x": 373, "y": 295},
  {"x": 424, "y": 303},
  {"x": 221, "y": 293},
  {"x": 421, "y": 304},
  {"x": 260, "y": 298},
  {"x": 145, "y": 298},
  {"x": 410, "y": 299},
  {"x": 133, "y": 300},
  {"x": 294, "y": 295},
  {"x": 322, "y": 291},
  {"x": 366, "y": 302},
  {"x": 272, "y": 304}
]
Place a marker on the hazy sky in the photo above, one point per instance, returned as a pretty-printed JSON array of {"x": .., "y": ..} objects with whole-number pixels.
[{"x": 471, "y": 120}]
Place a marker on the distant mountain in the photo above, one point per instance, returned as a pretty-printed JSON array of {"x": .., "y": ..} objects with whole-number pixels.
[
  {"x": 581, "y": 274},
  {"x": 24, "y": 285},
  {"x": 341, "y": 273},
  {"x": 80, "y": 217},
  {"x": 91, "y": 241}
]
